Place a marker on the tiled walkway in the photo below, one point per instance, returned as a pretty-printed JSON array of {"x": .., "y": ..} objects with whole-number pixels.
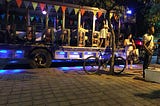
[{"x": 55, "y": 87}]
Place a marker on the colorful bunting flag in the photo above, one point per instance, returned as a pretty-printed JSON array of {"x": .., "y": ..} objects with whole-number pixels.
[
  {"x": 49, "y": 7},
  {"x": 20, "y": 17},
  {"x": 37, "y": 18},
  {"x": 42, "y": 19},
  {"x": 52, "y": 20},
  {"x": 8, "y": 0},
  {"x": 61, "y": 21},
  {"x": 32, "y": 18},
  {"x": 63, "y": 9},
  {"x": 56, "y": 8},
  {"x": 13, "y": 17},
  {"x": 99, "y": 13},
  {"x": 2, "y": 16},
  {"x": 75, "y": 22},
  {"x": 26, "y": 3},
  {"x": 76, "y": 10},
  {"x": 19, "y": 3},
  {"x": 82, "y": 11},
  {"x": 34, "y": 4},
  {"x": 70, "y": 10},
  {"x": 42, "y": 6}
]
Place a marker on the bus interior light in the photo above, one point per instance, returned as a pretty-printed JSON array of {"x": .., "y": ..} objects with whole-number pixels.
[{"x": 44, "y": 12}]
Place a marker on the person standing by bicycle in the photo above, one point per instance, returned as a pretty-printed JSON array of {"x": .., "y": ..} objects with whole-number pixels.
[
  {"x": 103, "y": 36},
  {"x": 148, "y": 46},
  {"x": 129, "y": 47}
]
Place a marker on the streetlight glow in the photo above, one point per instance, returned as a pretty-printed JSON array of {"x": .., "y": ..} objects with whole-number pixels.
[{"x": 129, "y": 12}]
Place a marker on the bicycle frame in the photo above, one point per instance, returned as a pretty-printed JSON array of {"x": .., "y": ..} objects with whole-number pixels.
[
  {"x": 104, "y": 58},
  {"x": 102, "y": 63}
]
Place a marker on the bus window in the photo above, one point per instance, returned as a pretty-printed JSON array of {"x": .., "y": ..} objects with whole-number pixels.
[
  {"x": 71, "y": 26},
  {"x": 87, "y": 24},
  {"x": 58, "y": 18}
]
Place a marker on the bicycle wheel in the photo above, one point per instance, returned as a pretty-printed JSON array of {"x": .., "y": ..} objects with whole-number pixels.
[
  {"x": 119, "y": 65},
  {"x": 91, "y": 65}
]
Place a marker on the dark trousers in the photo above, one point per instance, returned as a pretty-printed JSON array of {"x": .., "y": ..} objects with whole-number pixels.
[{"x": 147, "y": 61}]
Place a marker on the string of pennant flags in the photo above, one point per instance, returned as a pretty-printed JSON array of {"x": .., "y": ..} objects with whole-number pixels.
[
  {"x": 56, "y": 7},
  {"x": 37, "y": 18},
  {"x": 49, "y": 7}
]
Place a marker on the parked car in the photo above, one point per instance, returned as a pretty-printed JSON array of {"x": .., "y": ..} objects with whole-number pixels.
[
  {"x": 139, "y": 45},
  {"x": 138, "y": 41}
]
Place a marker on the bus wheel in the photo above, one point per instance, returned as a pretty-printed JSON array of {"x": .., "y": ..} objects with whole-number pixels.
[{"x": 40, "y": 58}]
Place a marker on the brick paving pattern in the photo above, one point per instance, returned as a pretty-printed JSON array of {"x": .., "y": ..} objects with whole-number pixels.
[{"x": 54, "y": 87}]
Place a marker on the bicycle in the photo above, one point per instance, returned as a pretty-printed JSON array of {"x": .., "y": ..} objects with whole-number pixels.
[{"x": 93, "y": 64}]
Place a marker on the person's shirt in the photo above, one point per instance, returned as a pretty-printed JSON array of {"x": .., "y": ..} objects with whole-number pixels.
[
  {"x": 147, "y": 38},
  {"x": 128, "y": 45},
  {"x": 103, "y": 33}
]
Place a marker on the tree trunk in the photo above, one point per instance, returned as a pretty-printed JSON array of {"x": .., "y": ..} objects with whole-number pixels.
[{"x": 113, "y": 44}]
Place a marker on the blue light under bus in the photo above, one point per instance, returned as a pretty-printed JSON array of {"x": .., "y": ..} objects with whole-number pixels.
[
  {"x": 5, "y": 54},
  {"x": 19, "y": 54},
  {"x": 11, "y": 54},
  {"x": 11, "y": 71},
  {"x": 3, "y": 51}
]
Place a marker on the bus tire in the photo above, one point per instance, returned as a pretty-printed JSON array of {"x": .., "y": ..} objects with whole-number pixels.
[{"x": 40, "y": 58}]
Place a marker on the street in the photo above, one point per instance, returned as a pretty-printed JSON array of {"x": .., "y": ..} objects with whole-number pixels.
[{"x": 71, "y": 86}]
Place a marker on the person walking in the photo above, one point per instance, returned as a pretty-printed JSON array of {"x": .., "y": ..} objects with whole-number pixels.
[
  {"x": 148, "y": 45},
  {"x": 129, "y": 47}
]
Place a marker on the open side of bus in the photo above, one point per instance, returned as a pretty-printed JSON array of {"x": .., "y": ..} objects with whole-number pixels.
[{"x": 49, "y": 30}]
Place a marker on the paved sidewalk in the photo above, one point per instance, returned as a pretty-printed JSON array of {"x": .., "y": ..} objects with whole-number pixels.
[{"x": 55, "y": 87}]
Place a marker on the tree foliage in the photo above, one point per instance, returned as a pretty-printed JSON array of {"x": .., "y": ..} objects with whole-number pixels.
[{"x": 151, "y": 12}]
